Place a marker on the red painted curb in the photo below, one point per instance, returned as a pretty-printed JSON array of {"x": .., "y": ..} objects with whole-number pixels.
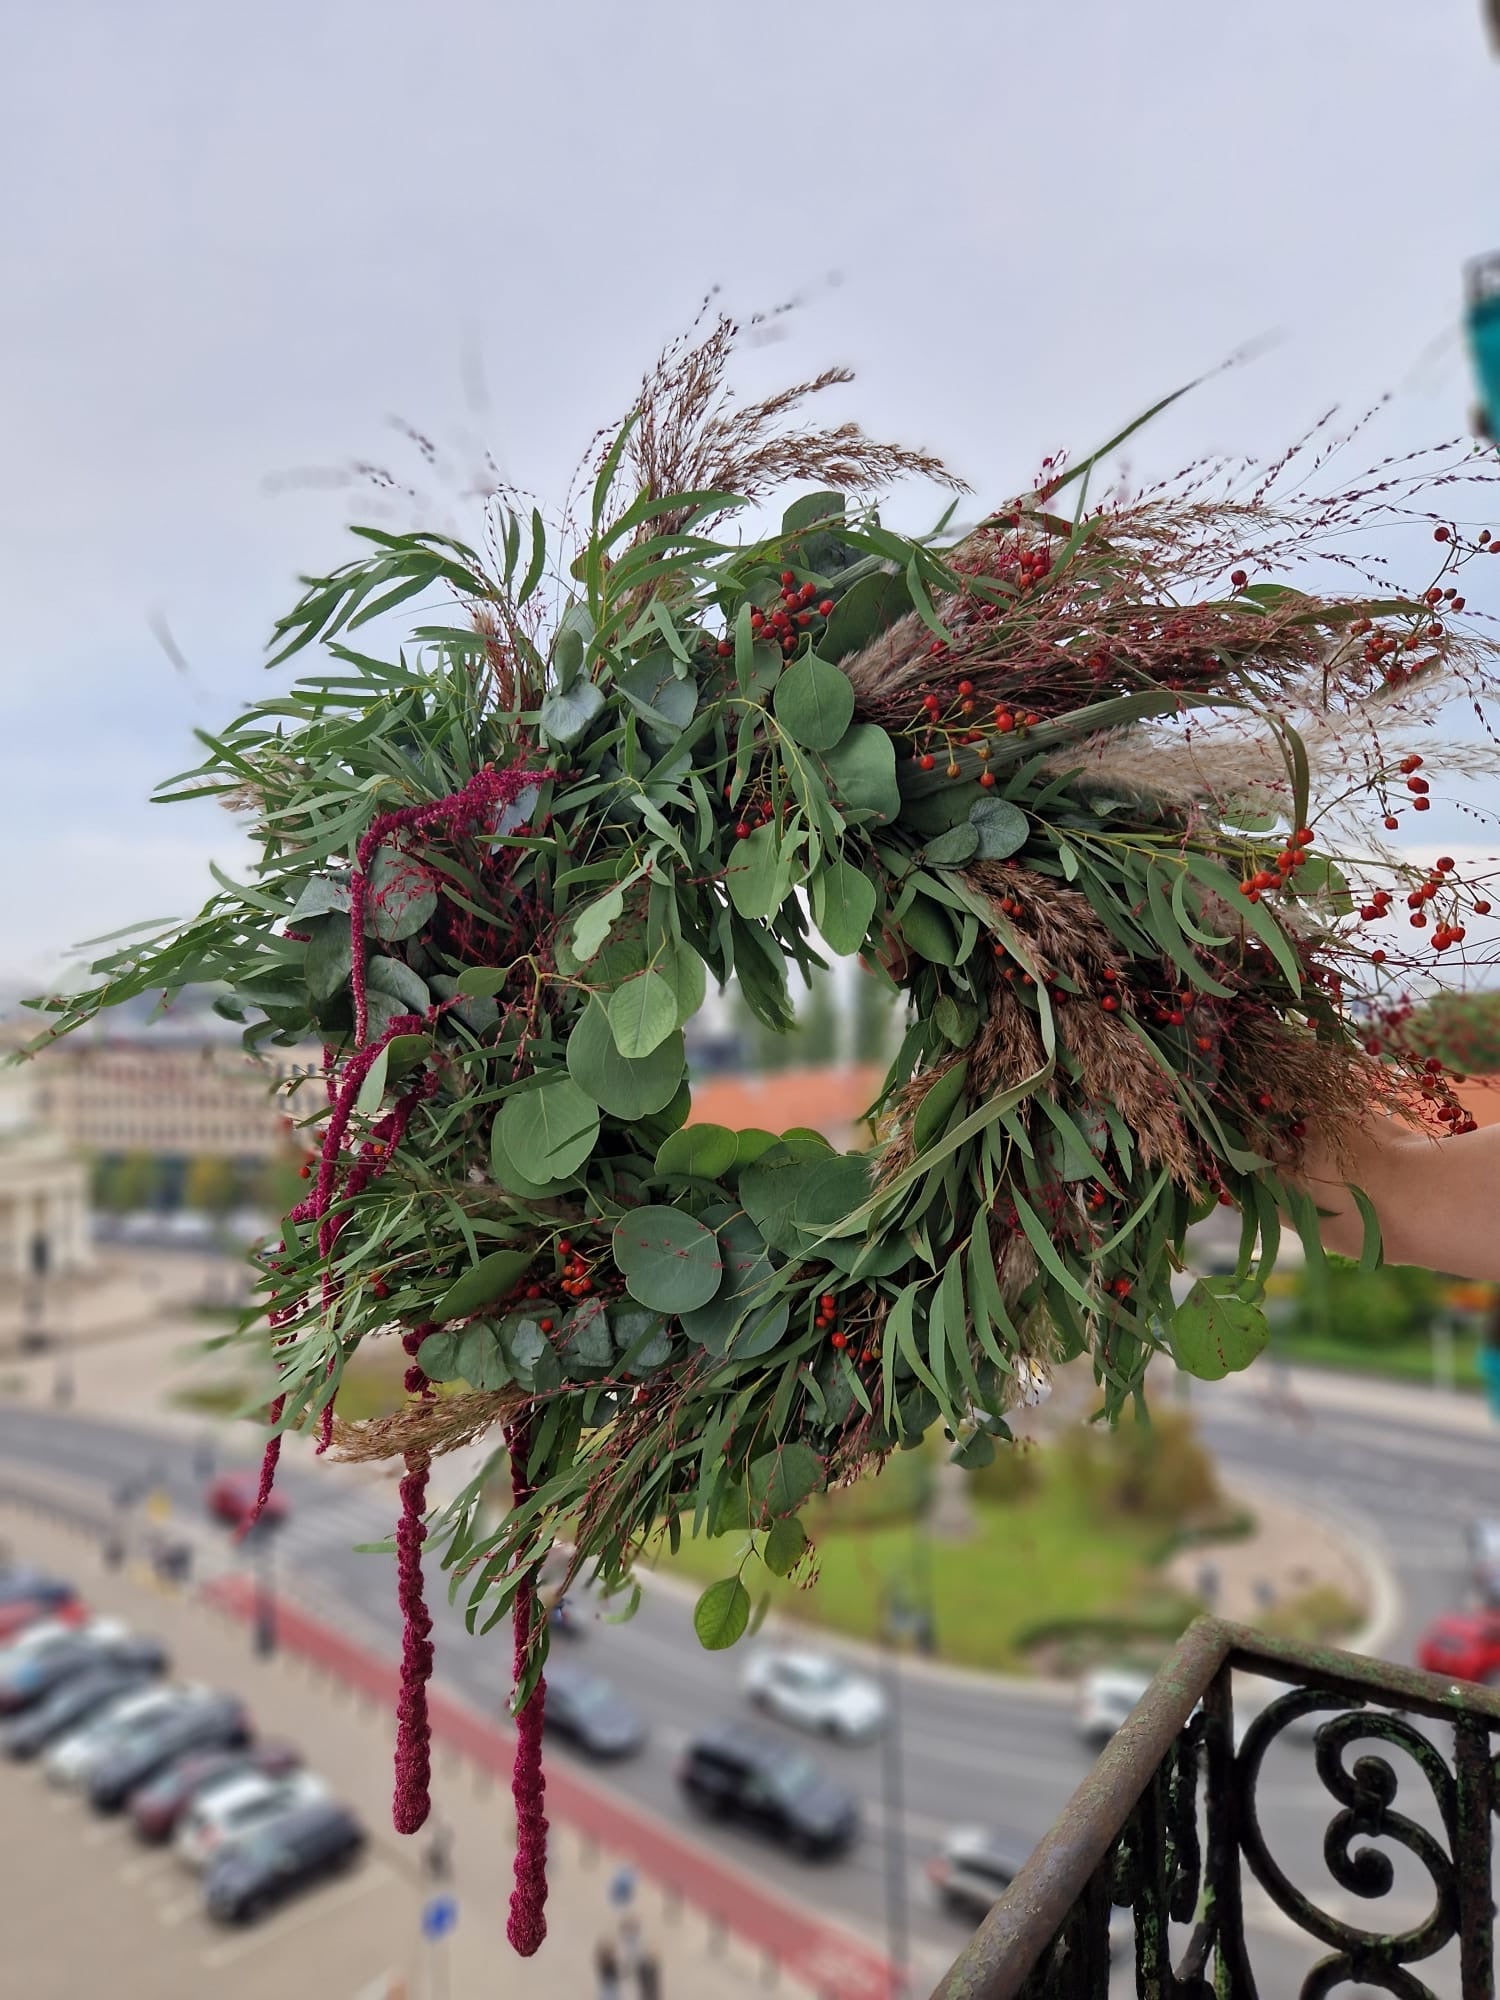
[{"x": 829, "y": 1960}]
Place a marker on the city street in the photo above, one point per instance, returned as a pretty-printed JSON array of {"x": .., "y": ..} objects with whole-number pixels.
[{"x": 1003, "y": 1756}]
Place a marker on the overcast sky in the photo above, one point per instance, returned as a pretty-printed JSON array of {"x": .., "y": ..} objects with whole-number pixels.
[{"x": 236, "y": 240}]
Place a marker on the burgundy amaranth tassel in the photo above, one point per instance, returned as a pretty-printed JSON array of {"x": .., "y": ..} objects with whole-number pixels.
[
  {"x": 460, "y": 810},
  {"x": 413, "y": 1799},
  {"x": 413, "y": 1795},
  {"x": 527, "y": 1924},
  {"x": 268, "y": 1459}
]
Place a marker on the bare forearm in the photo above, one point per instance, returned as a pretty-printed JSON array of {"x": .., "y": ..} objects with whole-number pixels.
[{"x": 1437, "y": 1200}]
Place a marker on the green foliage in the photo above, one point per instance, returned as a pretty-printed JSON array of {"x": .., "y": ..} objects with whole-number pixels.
[
  {"x": 1364, "y": 1311},
  {"x": 644, "y": 761},
  {"x": 1154, "y": 1471},
  {"x": 1461, "y": 1028},
  {"x": 122, "y": 1182}
]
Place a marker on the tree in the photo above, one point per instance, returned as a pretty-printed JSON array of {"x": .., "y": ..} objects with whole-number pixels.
[
  {"x": 126, "y": 1181},
  {"x": 876, "y": 1009},
  {"x": 211, "y": 1185},
  {"x": 1463, "y": 1029},
  {"x": 818, "y": 1024}
]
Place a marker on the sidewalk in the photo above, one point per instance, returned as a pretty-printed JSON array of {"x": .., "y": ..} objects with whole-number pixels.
[
  {"x": 1372, "y": 1396},
  {"x": 343, "y": 1722}
]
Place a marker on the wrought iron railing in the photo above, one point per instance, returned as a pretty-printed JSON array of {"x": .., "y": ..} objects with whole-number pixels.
[{"x": 1168, "y": 1827}]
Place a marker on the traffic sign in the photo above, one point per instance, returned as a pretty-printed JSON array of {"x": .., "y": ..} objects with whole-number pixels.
[{"x": 439, "y": 1916}]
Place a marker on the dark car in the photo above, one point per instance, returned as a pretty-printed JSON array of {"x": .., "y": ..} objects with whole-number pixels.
[
  {"x": 34, "y": 1583},
  {"x": 295, "y": 1851},
  {"x": 31, "y": 1679},
  {"x": 211, "y": 1722},
  {"x": 155, "y": 1808},
  {"x": 737, "y": 1773},
  {"x": 72, "y": 1705},
  {"x": 590, "y": 1713},
  {"x": 973, "y": 1871}
]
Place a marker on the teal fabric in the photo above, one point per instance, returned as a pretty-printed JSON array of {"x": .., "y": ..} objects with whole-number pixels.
[
  {"x": 1489, "y": 1368},
  {"x": 1484, "y": 342}
]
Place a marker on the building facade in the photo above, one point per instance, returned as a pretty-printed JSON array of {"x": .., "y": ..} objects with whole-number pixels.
[{"x": 173, "y": 1099}]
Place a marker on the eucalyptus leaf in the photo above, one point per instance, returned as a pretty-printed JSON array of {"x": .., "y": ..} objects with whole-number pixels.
[
  {"x": 721, "y": 1614},
  {"x": 642, "y": 1015},
  {"x": 814, "y": 703},
  {"x": 669, "y": 1261},
  {"x": 701, "y": 1151},
  {"x": 482, "y": 1284},
  {"x": 568, "y": 713},
  {"x": 549, "y": 1130},
  {"x": 843, "y": 905},
  {"x": 1002, "y": 827},
  {"x": 400, "y": 895},
  {"x": 624, "y": 1086}
]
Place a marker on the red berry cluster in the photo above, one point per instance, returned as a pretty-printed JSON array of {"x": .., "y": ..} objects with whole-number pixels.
[
  {"x": 752, "y": 816},
  {"x": 949, "y": 723},
  {"x": 788, "y": 620},
  {"x": 577, "y": 1277},
  {"x": 1292, "y": 857}
]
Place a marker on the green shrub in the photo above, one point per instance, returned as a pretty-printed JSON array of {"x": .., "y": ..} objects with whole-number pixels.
[
  {"x": 901, "y": 1492},
  {"x": 1366, "y": 1309},
  {"x": 1155, "y": 1470},
  {"x": 1013, "y": 1474}
]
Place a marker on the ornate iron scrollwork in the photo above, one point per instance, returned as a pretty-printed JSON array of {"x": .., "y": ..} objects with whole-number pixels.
[{"x": 1366, "y": 1793}]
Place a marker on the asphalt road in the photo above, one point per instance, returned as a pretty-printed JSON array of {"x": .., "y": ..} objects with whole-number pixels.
[{"x": 972, "y": 1754}]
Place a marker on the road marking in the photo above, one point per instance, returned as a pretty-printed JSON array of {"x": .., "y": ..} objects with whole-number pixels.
[
  {"x": 911, "y": 1824},
  {"x": 318, "y": 1904},
  {"x": 170, "y": 1915},
  {"x": 95, "y": 1836}
]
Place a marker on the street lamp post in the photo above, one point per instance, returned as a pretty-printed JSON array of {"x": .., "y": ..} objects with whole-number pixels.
[
  {"x": 263, "y": 1537},
  {"x": 896, "y": 1621}
]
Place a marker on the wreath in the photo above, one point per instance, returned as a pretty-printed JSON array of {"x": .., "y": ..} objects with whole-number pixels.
[{"x": 1054, "y": 772}]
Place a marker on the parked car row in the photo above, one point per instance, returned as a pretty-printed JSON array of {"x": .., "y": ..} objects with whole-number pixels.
[{"x": 90, "y": 1701}]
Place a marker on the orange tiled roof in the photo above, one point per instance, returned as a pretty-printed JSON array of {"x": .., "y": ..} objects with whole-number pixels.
[
  {"x": 1480, "y": 1097},
  {"x": 828, "y": 1100}
]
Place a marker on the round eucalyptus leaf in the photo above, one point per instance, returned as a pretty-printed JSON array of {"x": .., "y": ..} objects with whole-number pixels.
[
  {"x": 624, "y": 1086},
  {"x": 399, "y": 894},
  {"x": 669, "y": 1262},
  {"x": 843, "y": 905},
  {"x": 642, "y": 1014},
  {"x": 550, "y": 1130},
  {"x": 701, "y": 1151},
  {"x": 814, "y": 703}
]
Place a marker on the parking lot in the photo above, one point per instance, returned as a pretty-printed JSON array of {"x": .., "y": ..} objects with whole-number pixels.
[{"x": 89, "y": 1911}]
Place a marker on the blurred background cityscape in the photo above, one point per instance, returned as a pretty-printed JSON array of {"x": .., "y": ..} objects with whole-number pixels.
[{"x": 235, "y": 244}]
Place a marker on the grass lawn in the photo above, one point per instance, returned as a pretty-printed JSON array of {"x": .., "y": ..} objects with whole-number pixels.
[
  {"x": 371, "y": 1388},
  {"x": 1043, "y": 1560},
  {"x": 1407, "y": 1360}
]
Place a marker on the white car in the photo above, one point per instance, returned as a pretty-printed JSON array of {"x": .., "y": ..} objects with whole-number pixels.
[
  {"x": 1107, "y": 1698},
  {"x": 45, "y": 1633},
  {"x": 236, "y": 1807},
  {"x": 71, "y": 1760},
  {"x": 1110, "y": 1694},
  {"x": 816, "y": 1692}
]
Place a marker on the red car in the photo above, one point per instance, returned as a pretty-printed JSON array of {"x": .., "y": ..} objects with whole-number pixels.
[
  {"x": 156, "y": 1808},
  {"x": 231, "y": 1498},
  {"x": 1464, "y": 1646},
  {"x": 26, "y": 1600}
]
